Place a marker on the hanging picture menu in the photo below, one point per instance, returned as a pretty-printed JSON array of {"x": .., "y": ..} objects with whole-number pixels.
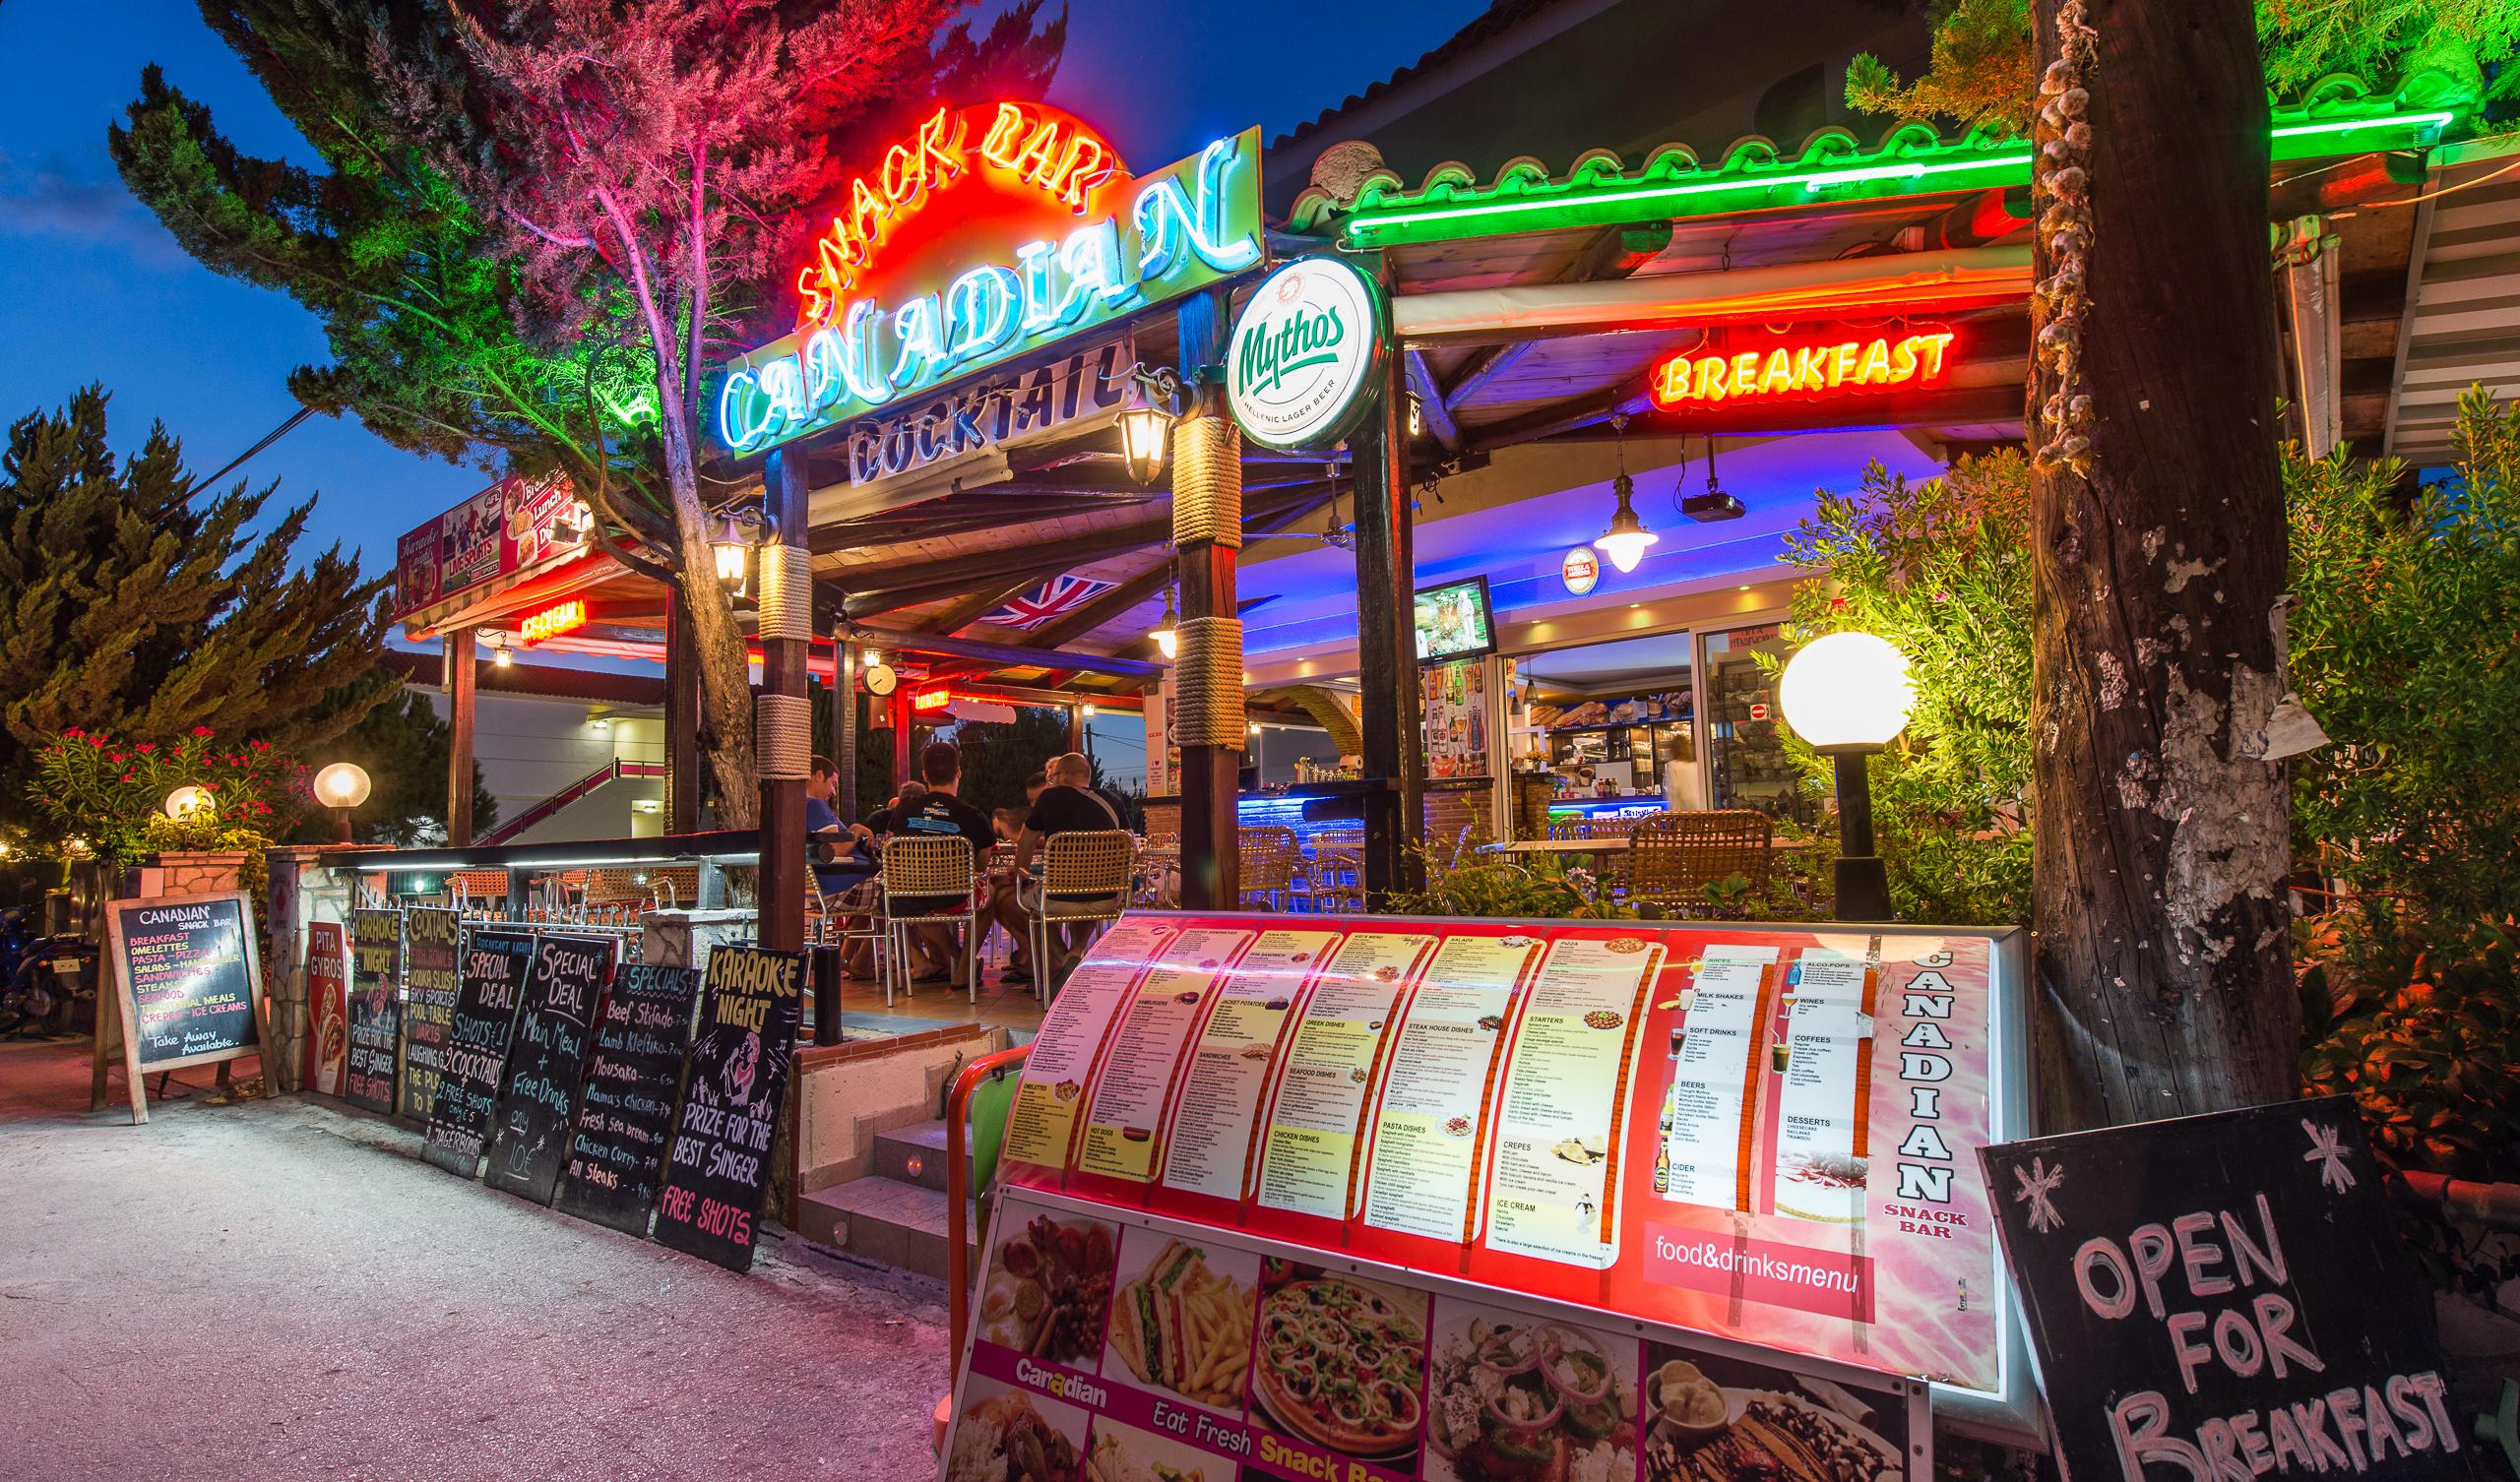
[
  {"x": 489, "y": 984},
  {"x": 328, "y": 991},
  {"x": 376, "y": 1011},
  {"x": 1308, "y": 1153},
  {"x": 1209, "y": 1145},
  {"x": 429, "y": 938},
  {"x": 751, "y": 1001},
  {"x": 1127, "y": 1106},
  {"x": 1041, "y": 1127},
  {"x": 1430, "y": 1122},
  {"x": 546, "y": 1058},
  {"x": 625, "y": 1110}
]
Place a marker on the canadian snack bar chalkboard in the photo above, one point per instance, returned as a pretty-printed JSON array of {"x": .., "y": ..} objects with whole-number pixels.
[
  {"x": 546, "y": 1057},
  {"x": 376, "y": 1009},
  {"x": 489, "y": 984},
  {"x": 625, "y": 1109},
  {"x": 429, "y": 938},
  {"x": 751, "y": 1001},
  {"x": 184, "y": 987},
  {"x": 2221, "y": 1296}
]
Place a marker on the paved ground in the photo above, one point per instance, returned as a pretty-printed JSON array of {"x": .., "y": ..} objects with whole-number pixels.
[{"x": 279, "y": 1290}]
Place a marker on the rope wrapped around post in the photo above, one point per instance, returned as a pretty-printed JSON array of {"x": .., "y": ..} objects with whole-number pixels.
[
  {"x": 786, "y": 593},
  {"x": 783, "y": 736},
  {"x": 1207, "y": 682},
  {"x": 1207, "y": 483}
]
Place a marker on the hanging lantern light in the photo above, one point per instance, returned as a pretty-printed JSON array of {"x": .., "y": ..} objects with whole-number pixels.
[
  {"x": 1166, "y": 633},
  {"x": 733, "y": 550},
  {"x": 1625, "y": 540},
  {"x": 500, "y": 654},
  {"x": 870, "y": 658},
  {"x": 1146, "y": 421}
]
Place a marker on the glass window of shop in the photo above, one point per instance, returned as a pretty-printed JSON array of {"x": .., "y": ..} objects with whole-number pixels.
[
  {"x": 1290, "y": 754},
  {"x": 1611, "y": 722},
  {"x": 1747, "y": 761}
]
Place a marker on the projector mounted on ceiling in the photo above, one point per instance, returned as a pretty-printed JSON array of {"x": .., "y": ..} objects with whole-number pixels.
[{"x": 1714, "y": 504}]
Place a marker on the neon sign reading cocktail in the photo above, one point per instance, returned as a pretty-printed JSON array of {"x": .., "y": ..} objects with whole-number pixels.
[
  {"x": 1809, "y": 370},
  {"x": 1021, "y": 175}
]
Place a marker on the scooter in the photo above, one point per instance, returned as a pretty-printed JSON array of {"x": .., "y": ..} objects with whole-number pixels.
[{"x": 51, "y": 988}]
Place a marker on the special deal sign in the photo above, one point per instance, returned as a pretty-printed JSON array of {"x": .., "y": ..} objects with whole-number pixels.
[{"x": 997, "y": 230}]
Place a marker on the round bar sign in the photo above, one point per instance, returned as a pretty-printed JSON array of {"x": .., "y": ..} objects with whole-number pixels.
[
  {"x": 1301, "y": 367},
  {"x": 1579, "y": 570}
]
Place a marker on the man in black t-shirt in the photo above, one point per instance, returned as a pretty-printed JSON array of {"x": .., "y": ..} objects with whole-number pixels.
[
  {"x": 1068, "y": 805},
  {"x": 940, "y": 812}
]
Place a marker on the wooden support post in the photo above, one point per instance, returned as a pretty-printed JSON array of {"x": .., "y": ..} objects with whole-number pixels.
[
  {"x": 1075, "y": 728},
  {"x": 458, "y": 680},
  {"x": 843, "y": 726},
  {"x": 897, "y": 708},
  {"x": 682, "y": 723},
  {"x": 1211, "y": 762},
  {"x": 1387, "y": 646},
  {"x": 784, "y": 725}
]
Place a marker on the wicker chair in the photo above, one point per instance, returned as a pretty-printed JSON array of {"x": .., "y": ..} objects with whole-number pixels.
[
  {"x": 1271, "y": 864},
  {"x": 1085, "y": 877},
  {"x": 1337, "y": 877},
  {"x": 934, "y": 867},
  {"x": 1672, "y": 858}
]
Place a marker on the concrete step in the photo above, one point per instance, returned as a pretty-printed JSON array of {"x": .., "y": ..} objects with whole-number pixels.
[
  {"x": 913, "y": 1154},
  {"x": 885, "y": 1221}
]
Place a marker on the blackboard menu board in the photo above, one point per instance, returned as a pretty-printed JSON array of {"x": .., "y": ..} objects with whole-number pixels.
[
  {"x": 2224, "y": 1296},
  {"x": 546, "y": 1057},
  {"x": 625, "y": 1109},
  {"x": 182, "y": 963},
  {"x": 376, "y": 969},
  {"x": 749, "y": 1008},
  {"x": 430, "y": 936},
  {"x": 489, "y": 984}
]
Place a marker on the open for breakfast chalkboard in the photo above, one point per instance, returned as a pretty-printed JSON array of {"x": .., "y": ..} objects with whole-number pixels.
[
  {"x": 184, "y": 987},
  {"x": 489, "y": 984},
  {"x": 751, "y": 1004},
  {"x": 625, "y": 1109},
  {"x": 546, "y": 1057}
]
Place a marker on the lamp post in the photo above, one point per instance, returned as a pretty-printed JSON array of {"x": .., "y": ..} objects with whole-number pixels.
[
  {"x": 1848, "y": 694},
  {"x": 342, "y": 787},
  {"x": 184, "y": 801}
]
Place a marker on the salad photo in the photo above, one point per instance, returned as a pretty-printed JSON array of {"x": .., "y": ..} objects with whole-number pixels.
[{"x": 1513, "y": 1399}]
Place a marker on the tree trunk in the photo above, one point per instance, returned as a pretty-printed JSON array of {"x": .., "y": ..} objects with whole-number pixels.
[
  {"x": 716, "y": 642},
  {"x": 2161, "y": 945}
]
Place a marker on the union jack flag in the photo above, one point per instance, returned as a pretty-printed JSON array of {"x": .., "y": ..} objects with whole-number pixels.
[{"x": 1054, "y": 598}]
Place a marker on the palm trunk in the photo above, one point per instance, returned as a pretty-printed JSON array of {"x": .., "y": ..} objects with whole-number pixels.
[{"x": 2160, "y": 924}]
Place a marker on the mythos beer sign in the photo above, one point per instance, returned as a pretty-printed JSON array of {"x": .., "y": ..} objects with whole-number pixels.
[
  {"x": 991, "y": 232},
  {"x": 1300, "y": 369}
]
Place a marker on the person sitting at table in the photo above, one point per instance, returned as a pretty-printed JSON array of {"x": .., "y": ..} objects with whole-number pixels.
[
  {"x": 1068, "y": 805},
  {"x": 1008, "y": 822},
  {"x": 887, "y": 819},
  {"x": 853, "y": 861},
  {"x": 936, "y": 810}
]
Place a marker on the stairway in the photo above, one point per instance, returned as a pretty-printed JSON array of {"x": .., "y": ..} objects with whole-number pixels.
[{"x": 894, "y": 1215}]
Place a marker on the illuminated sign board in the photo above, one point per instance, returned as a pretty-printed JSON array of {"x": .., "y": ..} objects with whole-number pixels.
[
  {"x": 1580, "y": 569},
  {"x": 1845, "y": 368},
  {"x": 931, "y": 699},
  {"x": 992, "y": 232},
  {"x": 553, "y": 621}
]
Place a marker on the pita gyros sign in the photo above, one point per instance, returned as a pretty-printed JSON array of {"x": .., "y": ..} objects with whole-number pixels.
[{"x": 1301, "y": 367}]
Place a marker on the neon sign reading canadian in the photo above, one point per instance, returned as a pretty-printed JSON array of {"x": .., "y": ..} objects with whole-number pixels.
[
  {"x": 991, "y": 232},
  {"x": 1847, "y": 367}
]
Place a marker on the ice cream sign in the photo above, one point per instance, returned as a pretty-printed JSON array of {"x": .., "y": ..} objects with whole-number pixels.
[{"x": 990, "y": 233}]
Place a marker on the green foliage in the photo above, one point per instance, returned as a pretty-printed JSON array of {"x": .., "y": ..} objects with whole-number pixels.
[
  {"x": 133, "y": 606},
  {"x": 113, "y": 793},
  {"x": 2403, "y": 646},
  {"x": 1941, "y": 568},
  {"x": 1980, "y": 73},
  {"x": 1540, "y": 887},
  {"x": 404, "y": 747}
]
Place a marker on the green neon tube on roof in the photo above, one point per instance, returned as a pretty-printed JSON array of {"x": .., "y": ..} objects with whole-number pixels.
[{"x": 1576, "y": 205}]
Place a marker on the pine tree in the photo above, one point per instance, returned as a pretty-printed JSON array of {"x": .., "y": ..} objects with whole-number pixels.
[{"x": 133, "y": 604}]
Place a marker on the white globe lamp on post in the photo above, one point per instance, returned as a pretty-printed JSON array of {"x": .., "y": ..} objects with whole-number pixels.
[
  {"x": 1848, "y": 694},
  {"x": 342, "y": 787},
  {"x": 185, "y": 801}
]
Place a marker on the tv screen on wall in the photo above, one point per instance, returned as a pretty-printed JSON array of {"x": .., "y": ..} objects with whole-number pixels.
[{"x": 1454, "y": 621}]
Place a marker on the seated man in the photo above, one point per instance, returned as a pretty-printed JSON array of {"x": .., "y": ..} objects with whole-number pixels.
[
  {"x": 1069, "y": 804},
  {"x": 936, "y": 810}
]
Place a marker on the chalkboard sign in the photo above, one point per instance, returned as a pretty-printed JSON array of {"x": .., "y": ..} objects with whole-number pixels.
[
  {"x": 625, "y": 1110},
  {"x": 430, "y": 936},
  {"x": 719, "y": 1168},
  {"x": 546, "y": 1056},
  {"x": 184, "y": 994},
  {"x": 376, "y": 1010},
  {"x": 490, "y": 983},
  {"x": 2223, "y": 1296}
]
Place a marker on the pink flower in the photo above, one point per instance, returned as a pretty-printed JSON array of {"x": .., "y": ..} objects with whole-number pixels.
[
  {"x": 114, "y": 756},
  {"x": 202, "y": 730},
  {"x": 128, "y": 777},
  {"x": 145, "y": 747},
  {"x": 262, "y": 807},
  {"x": 261, "y": 744},
  {"x": 74, "y": 732},
  {"x": 98, "y": 742}
]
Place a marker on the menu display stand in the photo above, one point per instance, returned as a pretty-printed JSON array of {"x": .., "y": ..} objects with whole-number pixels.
[{"x": 185, "y": 991}]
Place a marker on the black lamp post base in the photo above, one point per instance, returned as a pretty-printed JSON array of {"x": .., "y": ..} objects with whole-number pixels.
[{"x": 1864, "y": 889}]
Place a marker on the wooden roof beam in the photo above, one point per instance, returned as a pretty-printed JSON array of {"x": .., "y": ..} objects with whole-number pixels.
[{"x": 1005, "y": 654}]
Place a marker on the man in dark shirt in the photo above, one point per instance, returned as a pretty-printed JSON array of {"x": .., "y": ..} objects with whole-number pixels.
[
  {"x": 1068, "y": 805},
  {"x": 940, "y": 812}
]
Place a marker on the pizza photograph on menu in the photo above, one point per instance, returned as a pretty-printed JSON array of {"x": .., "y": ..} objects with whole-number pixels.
[
  {"x": 1711, "y": 1418},
  {"x": 1340, "y": 1362}
]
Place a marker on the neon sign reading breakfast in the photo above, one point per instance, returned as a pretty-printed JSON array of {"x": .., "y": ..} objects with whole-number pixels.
[
  {"x": 1823, "y": 370},
  {"x": 1043, "y": 235},
  {"x": 553, "y": 621}
]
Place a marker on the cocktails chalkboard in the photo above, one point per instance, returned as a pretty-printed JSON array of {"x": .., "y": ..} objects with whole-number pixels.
[
  {"x": 184, "y": 994},
  {"x": 430, "y": 936},
  {"x": 546, "y": 1057},
  {"x": 2221, "y": 1296},
  {"x": 751, "y": 1004},
  {"x": 490, "y": 984},
  {"x": 625, "y": 1110},
  {"x": 376, "y": 1010}
]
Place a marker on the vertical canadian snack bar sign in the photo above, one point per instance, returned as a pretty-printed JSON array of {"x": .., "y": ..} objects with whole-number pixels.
[
  {"x": 751, "y": 1001},
  {"x": 2223, "y": 1296},
  {"x": 376, "y": 1009}
]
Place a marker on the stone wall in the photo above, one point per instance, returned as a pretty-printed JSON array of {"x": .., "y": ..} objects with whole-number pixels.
[{"x": 847, "y": 1093}]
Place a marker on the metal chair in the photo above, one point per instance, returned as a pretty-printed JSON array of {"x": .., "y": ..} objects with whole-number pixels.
[
  {"x": 1271, "y": 863},
  {"x": 1085, "y": 878},
  {"x": 1672, "y": 858},
  {"x": 929, "y": 867},
  {"x": 1336, "y": 879},
  {"x": 852, "y": 915}
]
